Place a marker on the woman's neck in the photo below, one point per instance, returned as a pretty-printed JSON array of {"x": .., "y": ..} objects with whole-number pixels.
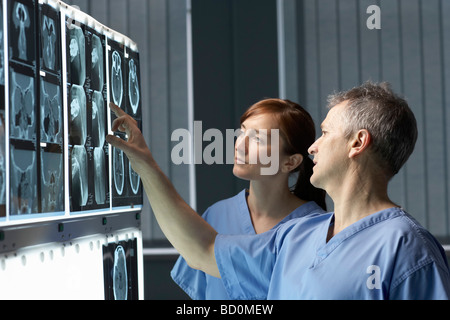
[{"x": 269, "y": 203}]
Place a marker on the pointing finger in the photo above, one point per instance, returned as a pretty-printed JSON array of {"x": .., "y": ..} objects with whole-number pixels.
[{"x": 118, "y": 112}]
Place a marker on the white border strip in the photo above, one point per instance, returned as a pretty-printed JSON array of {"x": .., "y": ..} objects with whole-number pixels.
[
  {"x": 281, "y": 50},
  {"x": 159, "y": 252},
  {"x": 6, "y": 124},
  {"x": 190, "y": 84}
]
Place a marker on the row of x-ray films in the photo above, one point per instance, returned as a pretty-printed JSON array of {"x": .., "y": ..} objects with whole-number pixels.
[{"x": 35, "y": 73}]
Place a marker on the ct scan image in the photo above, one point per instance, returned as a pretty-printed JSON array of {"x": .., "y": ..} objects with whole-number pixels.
[
  {"x": 97, "y": 64},
  {"x": 79, "y": 177},
  {"x": 22, "y": 31},
  {"x": 118, "y": 170},
  {"x": 116, "y": 78},
  {"x": 77, "y": 55},
  {"x": 98, "y": 120},
  {"x": 120, "y": 270},
  {"x": 23, "y": 182},
  {"x": 78, "y": 116},
  {"x": 22, "y": 118},
  {"x": 100, "y": 176},
  {"x": 52, "y": 182},
  {"x": 51, "y": 113},
  {"x": 50, "y": 41},
  {"x": 133, "y": 86}
]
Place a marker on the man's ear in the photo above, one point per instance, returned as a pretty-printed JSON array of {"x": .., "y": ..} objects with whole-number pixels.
[
  {"x": 360, "y": 141},
  {"x": 292, "y": 163}
]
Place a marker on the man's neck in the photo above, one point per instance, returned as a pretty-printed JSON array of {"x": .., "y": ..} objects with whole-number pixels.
[{"x": 356, "y": 199}]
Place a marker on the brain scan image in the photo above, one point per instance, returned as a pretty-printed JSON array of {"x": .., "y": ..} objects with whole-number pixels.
[
  {"x": 98, "y": 119},
  {"x": 120, "y": 273},
  {"x": 48, "y": 38},
  {"x": 21, "y": 21},
  {"x": 77, "y": 124},
  {"x": 134, "y": 179},
  {"x": 51, "y": 118},
  {"x": 133, "y": 86},
  {"x": 119, "y": 170},
  {"x": 52, "y": 182},
  {"x": 97, "y": 71},
  {"x": 120, "y": 277},
  {"x": 79, "y": 178},
  {"x": 77, "y": 54},
  {"x": 22, "y": 119},
  {"x": 116, "y": 78},
  {"x": 23, "y": 182},
  {"x": 100, "y": 176}
]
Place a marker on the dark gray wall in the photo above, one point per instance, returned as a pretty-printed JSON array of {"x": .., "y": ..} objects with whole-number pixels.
[{"x": 235, "y": 65}]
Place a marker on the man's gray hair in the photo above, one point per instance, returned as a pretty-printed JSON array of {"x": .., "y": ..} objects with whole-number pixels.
[{"x": 386, "y": 116}]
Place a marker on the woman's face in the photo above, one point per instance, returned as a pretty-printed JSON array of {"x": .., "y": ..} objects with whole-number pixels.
[{"x": 258, "y": 146}]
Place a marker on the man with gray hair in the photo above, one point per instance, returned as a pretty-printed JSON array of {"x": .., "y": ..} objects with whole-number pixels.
[{"x": 369, "y": 248}]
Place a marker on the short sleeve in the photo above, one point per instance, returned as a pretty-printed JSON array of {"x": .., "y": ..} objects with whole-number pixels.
[
  {"x": 246, "y": 264},
  {"x": 192, "y": 281},
  {"x": 429, "y": 282}
]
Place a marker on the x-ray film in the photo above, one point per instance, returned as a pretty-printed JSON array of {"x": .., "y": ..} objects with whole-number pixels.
[
  {"x": 116, "y": 73},
  {"x": 23, "y": 181},
  {"x": 22, "y": 105},
  {"x": 133, "y": 84},
  {"x": 97, "y": 69},
  {"x": 76, "y": 52},
  {"x": 78, "y": 116},
  {"x": 79, "y": 178},
  {"x": 51, "y": 113},
  {"x": 127, "y": 188},
  {"x": 120, "y": 270},
  {"x": 22, "y": 31},
  {"x": 100, "y": 176},
  {"x": 52, "y": 181},
  {"x": 50, "y": 39}
]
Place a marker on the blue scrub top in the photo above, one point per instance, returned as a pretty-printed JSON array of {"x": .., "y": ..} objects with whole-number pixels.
[
  {"x": 231, "y": 217},
  {"x": 386, "y": 255}
]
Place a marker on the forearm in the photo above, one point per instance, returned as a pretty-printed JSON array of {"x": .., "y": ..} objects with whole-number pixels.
[{"x": 192, "y": 236}]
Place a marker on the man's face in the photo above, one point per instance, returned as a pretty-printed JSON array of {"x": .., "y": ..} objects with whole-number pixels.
[{"x": 330, "y": 151}]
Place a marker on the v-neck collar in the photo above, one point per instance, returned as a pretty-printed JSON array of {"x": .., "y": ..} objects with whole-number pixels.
[
  {"x": 244, "y": 213},
  {"x": 246, "y": 221},
  {"x": 325, "y": 248}
]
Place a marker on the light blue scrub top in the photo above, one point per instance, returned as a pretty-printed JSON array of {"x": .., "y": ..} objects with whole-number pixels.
[
  {"x": 386, "y": 255},
  {"x": 232, "y": 217}
]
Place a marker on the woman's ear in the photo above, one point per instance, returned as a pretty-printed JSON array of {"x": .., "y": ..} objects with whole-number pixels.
[
  {"x": 292, "y": 163},
  {"x": 360, "y": 142}
]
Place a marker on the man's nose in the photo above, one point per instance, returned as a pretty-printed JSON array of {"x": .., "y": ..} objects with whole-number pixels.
[{"x": 312, "y": 150}]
